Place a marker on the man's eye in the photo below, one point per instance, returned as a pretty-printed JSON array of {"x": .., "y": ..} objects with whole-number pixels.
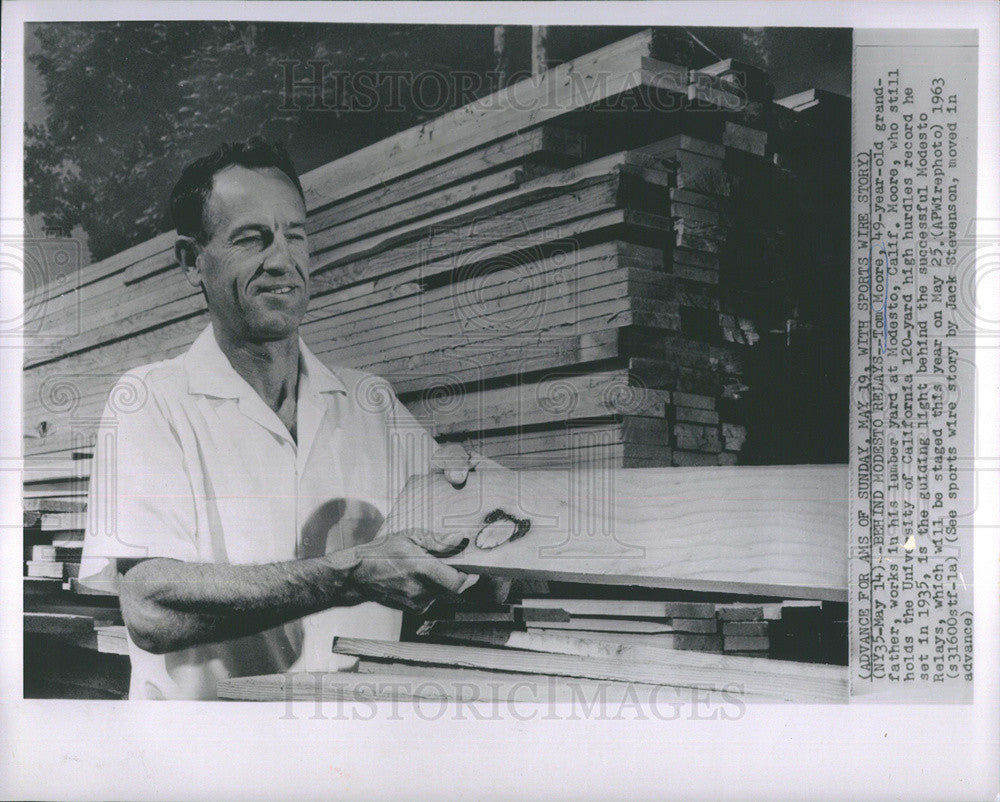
[{"x": 248, "y": 240}]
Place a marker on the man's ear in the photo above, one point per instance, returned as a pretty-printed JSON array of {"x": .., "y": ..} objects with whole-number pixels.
[{"x": 186, "y": 250}]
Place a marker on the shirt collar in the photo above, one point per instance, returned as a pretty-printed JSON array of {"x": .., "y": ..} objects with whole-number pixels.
[{"x": 210, "y": 372}]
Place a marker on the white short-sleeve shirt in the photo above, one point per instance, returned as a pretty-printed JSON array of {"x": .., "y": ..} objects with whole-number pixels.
[{"x": 191, "y": 464}]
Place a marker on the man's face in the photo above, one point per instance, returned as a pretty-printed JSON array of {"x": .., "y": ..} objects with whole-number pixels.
[{"x": 255, "y": 266}]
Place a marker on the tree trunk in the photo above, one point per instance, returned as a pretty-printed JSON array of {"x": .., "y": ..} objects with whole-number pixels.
[
  {"x": 539, "y": 49},
  {"x": 501, "y": 55}
]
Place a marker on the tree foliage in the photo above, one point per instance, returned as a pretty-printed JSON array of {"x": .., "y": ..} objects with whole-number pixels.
[{"x": 130, "y": 103}]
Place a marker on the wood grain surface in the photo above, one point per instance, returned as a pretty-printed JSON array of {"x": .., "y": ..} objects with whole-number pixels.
[
  {"x": 785, "y": 681},
  {"x": 776, "y": 531}
]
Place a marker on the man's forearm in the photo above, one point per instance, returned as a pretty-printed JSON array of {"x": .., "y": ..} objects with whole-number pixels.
[{"x": 170, "y": 605}]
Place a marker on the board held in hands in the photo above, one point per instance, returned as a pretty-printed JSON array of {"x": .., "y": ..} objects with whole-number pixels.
[{"x": 768, "y": 530}]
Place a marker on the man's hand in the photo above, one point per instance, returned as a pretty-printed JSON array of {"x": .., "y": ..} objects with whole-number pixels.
[
  {"x": 397, "y": 572},
  {"x": 455, "y": 463}
]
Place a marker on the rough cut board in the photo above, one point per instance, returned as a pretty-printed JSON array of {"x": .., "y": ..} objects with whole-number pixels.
[
  {"x": 790, "y": 682},
  {"x": 774, "y": 531},
  {"x": 384, "y": 682},
  {"x": 624, "y": 608}
]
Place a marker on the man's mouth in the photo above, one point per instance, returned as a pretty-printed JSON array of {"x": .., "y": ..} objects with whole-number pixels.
[{"x": 278, "y": 289}]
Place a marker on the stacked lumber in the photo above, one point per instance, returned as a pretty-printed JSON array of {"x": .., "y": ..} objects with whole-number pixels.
[
  {"x": 65, "y": 624},
  {"x": 573, "y": 671},
  {"x": 58, "y": 562},
  {"x": 586, "y": 278},
  {"x": 55, "y": 493},
  {"x": 111, "y": 639},
  {"x": 737, "y": 628}
]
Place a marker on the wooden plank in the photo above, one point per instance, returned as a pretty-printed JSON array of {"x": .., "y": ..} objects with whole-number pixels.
[
  {"x": 467, "y": 364},
  {"x": 519, "y": 293},
  {"x": 183, "y": 306},
  {"x": 483, "y": 616},
  {"x": 738, "y": 75},
  {"x": 79, "y": 589},
  {"x": 625, "y": 608},
  {"x": 62, "y": 624},
  {"x": 557, "y": 398},
  {"x": 609, "y": 454},
  {"x": 700, "y": 625},
  {"x": 649, "y": 433},
  {"x": 802, "y": 99},
  {"x": 50, "y": 471},
  {"x": 544, "y": 683},
  {"x": 396, "y": 683},
  {"x": 620, "y": 174},
  {"x": 408, "y": 211},
  {"x": 98, "y": 271},
  {"x": 64, "y": 604},
  {"x": 671, "y": 640},
  {"x": 458, "y": 364},
  {"x": 57, "y": 521},
  {"x": 684, "y": 146},
  {"x": 763, "y": 530},
  {"x": 605, "y": 73},
  {"x": 523, "y": 317},
  {"x": 545, "y": 145},
  {"x": 744, "y": 138},
  {"x": 43, "y": 505},
  {"x": 68, "y": 538},
  {"x": 94, "y": 399},
  {"x": 596, "y": 624},
  {"x": 740, "y": 612},
  {"x": 585, "y": 643},
  {"x": 572, "y": 438},
  {"x": 440, "y": 258},
  {"x": 56, "y": 553},
  {"x": 40, "y": 586},
  {"x": 111, "y": 639},
  {"x": 650, "y": 666},
  {"x": 582, "y": 334},
  {"x": 74, "y": 488},
  {"x": 493, "y": 634},
  {"x": 48, "y": 568},
  {"x": 616, "y": 457},
  {"x": 745, "y": 643},
  {"x": 745, "y": 628},
  {"x": 478, "y": 297},
  {"x": 681, "y": 641},
  {"x": 88, "y": 306}
]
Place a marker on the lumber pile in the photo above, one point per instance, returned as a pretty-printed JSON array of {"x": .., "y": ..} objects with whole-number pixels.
[
  {"x": 55, "y": 493},
  {"x": 544, "y": 624},
  {"x": 68, "y": 629},
  {"x": 618, "y": 273},
  {"x": 576, "y": 671}
]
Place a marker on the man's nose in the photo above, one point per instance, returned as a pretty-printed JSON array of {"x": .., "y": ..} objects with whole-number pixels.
[{"x": 278, "y": 258}]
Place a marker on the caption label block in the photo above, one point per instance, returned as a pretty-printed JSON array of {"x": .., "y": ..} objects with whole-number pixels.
[{"x": 912, "y": 368}]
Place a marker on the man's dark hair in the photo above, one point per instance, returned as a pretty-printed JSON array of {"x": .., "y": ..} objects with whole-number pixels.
[{"x": 187, "y": 200}]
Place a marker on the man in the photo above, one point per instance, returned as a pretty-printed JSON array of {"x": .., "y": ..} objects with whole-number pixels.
[{"x": 237, "y": 504}]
